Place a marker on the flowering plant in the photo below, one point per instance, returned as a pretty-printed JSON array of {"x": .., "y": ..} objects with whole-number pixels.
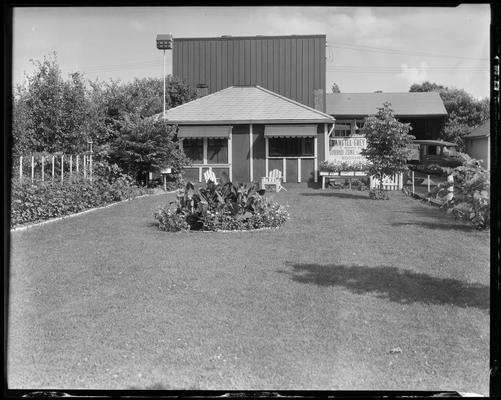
[{"x": 343, "y": 166}]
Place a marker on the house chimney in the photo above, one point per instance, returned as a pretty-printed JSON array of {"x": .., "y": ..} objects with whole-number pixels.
[
  {"x": 202, "y": 90},
  {"x": 318, "y": 99}
]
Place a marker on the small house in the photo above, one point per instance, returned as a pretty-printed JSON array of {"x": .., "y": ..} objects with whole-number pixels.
[{"x": 243, "y": 132}]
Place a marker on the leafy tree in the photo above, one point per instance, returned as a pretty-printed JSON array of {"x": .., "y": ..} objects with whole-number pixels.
[
  {"x": 426, "y": 87},
  {"x": 145, "y": 145},
  {"x": 387, "y": 144},
  {"x": 464, "y": 112},
  {"x": 335, "y": 88},
  {"x": 50, "y": 113}
]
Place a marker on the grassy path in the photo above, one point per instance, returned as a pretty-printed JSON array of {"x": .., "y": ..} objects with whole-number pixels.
[{"x": 105, "y": 300}]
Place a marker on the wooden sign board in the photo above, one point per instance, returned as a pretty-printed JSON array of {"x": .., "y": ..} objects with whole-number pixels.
[{"x": 347, "y": 149}]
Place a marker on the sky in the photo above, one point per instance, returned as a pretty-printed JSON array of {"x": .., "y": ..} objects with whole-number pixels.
[{"x": 368, "y": 48}]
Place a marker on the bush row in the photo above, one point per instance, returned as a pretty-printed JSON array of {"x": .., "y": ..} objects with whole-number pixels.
[{"x": 45, "y": 200}]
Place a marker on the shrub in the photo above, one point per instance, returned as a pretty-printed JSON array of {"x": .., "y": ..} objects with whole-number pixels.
[
  {"x": 45, "y": 200},
  {"x": 388, "y": 143},
  {"x": 378, "y": 194},
  {"x": 471, "y": 193},
  {"x": 221, "y": 207}
]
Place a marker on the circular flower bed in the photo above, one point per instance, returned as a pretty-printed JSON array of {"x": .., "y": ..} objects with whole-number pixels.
[{"x": 221, "y": 208}]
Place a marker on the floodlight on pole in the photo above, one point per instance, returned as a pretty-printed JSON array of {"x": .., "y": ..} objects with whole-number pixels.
[{"x": 164, "y": 42}]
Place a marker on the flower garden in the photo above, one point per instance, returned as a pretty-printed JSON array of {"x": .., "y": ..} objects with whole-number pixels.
[{"x": 221, "y": 207}]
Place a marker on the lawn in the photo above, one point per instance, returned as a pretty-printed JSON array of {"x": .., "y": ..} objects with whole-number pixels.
[{"x": 107, "y": 301}]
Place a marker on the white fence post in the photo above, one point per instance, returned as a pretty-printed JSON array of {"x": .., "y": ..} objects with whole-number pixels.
[
  {"x": 53, "y": 163},
  {"x": 85, "y": 165},
  {"x": 71, "y": 165},
  {"x": 428, "y": 183},
  {"x": 32, "y": 168},
  {"x": 77, "y": 164},
  {"x": 90, "y": 166},
  {"x": 21, "y": 169},
  {"x": 412, "y": 182},
  {"x": 450, "y": 189},
  {"x": 62, "y": 168},
  {"x": 43, "y": 172}
]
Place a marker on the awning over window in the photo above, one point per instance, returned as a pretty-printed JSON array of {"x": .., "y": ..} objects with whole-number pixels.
[
  {"x": 222, "y": 132},
  {"x": 290, "y": 131}
]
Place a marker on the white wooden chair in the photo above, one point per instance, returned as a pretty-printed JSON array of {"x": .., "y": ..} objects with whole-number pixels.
[
  {"x": 209, "y": 175},
  {"x": 274, "y": 178}
]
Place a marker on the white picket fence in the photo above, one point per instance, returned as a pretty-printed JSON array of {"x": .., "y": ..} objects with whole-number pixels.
[
  {"x": 60, "y": 167},
  {"x": 395, "y": 182}
]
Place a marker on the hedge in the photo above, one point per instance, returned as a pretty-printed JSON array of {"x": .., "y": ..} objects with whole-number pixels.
[{"x": 45, "y": 200}]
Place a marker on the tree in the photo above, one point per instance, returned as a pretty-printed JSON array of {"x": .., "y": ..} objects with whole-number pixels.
[
  {"x": 426, "y": 87},
  {"x": 464, "y": 112},
  {"x": 50, "y": 114},
  {"x": 146, "y": 145},
  {"x": 335, "y": 88},
  {"x": 387, "y": 144}
]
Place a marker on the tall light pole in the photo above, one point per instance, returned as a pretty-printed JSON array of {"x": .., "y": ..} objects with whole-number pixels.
[{"x": 164, "y": 42}]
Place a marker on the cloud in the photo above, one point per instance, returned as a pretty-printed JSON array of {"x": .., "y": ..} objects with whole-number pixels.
[{"x": 414, "y": 74}]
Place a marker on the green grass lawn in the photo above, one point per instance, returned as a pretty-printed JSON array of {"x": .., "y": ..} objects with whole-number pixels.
[{"x": 107, "y": 301}]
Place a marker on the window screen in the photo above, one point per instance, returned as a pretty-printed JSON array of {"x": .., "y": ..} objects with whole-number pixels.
[
  {"x": 217, "y": 151},
  {"x": 290, "y": 147},
  {"x": 194, "y": 150}
]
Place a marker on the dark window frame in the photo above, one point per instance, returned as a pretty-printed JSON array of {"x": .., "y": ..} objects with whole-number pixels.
[{"x": 293, "y": 147}]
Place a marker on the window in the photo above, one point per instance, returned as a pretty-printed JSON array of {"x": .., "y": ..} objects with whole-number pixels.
[
  {"x": 342, "y": 129},
  {"x": 359, "y": 123},
  {"x": 291, "y": 147},
  {"x": 217, "y": 151},
  {"x": 194, "y": 150}
]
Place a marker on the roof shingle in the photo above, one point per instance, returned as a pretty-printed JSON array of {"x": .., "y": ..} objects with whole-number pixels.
[
  {"x": 405, "y": 103},
  {"x": 244, "y": 104}
]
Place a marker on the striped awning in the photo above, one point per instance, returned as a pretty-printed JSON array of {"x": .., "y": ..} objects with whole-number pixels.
[
  {"x": 222, "y": 132},
  {"x": 290, "y": 131}
]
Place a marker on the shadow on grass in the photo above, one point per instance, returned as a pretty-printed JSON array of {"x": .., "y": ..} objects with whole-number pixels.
[
  {"x": 341, "y": 195},
  {"x": 444, "y": 226},
  {"x": 396, "y": 285}
]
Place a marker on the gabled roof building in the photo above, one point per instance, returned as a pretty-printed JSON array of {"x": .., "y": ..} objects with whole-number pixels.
[
  {"x": 246, "y": 131},
  {"x": 425, "y": 111},
  {"x": 478, "y": 143}
]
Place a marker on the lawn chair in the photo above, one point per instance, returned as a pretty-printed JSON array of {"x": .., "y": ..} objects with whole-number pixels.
[
  {"x": 274, "y": 178},
  {"x": 209, "y": 175}
]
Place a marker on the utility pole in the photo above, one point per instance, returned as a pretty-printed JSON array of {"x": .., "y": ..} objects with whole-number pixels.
[{"x": 164, "y": 42}]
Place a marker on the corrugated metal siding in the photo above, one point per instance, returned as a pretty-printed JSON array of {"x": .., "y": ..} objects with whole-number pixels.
[{"x": 291, "y": 66}]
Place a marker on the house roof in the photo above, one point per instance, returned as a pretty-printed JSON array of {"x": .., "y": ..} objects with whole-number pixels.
[
  {"x": 483, "y": 130},
  {"x": 244, "y": 105},
  {"x": 403, "y": 104}
]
